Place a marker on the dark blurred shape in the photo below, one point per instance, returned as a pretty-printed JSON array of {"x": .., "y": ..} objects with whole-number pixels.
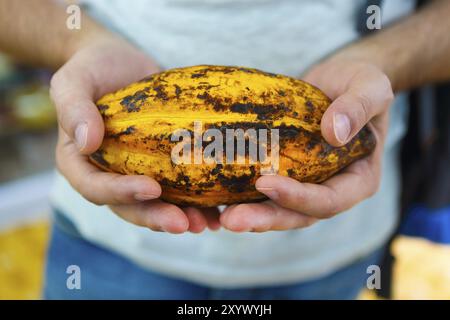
[
  {"x": 25, "y": 104},
  {"x": 426, "y": 199}
]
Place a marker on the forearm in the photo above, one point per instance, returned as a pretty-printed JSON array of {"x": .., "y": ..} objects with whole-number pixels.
[
  {"x": 412, "y": 52},
  {"x": 35, "y": 32}
]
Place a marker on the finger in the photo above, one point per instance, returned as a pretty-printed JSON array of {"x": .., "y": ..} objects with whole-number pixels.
[
  {"x": 72, "y": 94},
  {"x": 319, "y": 76},
  {"x": 212, "y": 216},
  {"x": 101, "y": 187},
  {"x": 261, "y": 217},
  {"x": 156, "y": 215},
  {"x": 339, "y": 193},
  {"x": 368, "y": 95},
  {"x": 197, "y": 221}
]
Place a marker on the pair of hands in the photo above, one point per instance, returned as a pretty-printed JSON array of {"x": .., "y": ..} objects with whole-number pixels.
[{"x": 361, "y": 94}]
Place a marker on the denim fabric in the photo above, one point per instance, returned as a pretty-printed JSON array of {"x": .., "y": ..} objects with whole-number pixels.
[{"x": 106, "y": 275}]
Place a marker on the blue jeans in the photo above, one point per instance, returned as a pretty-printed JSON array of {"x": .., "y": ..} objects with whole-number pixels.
[{"x": 106, "y": 275}]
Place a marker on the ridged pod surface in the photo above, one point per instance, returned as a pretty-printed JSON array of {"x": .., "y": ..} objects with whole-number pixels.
[{"x": 141, "y": 118}]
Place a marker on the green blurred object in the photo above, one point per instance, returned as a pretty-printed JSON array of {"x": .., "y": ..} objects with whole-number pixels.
[
  {"x": 10, "y": 76},
  {"x": 25, "y": 104},
  {"x": 31, "y": 107}
]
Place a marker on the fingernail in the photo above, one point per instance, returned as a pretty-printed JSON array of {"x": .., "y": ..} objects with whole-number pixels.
[
  {"x": 342, "y": 127},
  {"x": 144, "y": 196},
  {"x": 270, "y": 192},
  {"x": 81, "y": 133}
]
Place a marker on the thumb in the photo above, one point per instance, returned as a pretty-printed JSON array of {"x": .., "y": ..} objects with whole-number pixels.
[
  {"x": 366, "y": 97},
  {"x": 78, "y": 115}
]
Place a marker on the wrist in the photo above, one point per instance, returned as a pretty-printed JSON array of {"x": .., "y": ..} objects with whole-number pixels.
[{"x": 91, "y": 34}]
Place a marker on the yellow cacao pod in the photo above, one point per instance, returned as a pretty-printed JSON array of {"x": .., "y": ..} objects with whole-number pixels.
[{"x": 141, "y": 119}]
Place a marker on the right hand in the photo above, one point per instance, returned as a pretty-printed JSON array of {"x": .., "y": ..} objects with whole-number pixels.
[{"x": 103, "y": 66}]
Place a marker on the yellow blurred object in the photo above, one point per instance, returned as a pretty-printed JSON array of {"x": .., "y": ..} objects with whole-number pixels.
[
  {"x": 22, "y": 253},
  {"x": 422, "y": 269},
  {"x": 368, "y": 295}
]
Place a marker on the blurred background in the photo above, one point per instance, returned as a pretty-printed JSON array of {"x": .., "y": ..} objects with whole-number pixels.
[
  {"x": 421, "y": 265},
  {"x": 27, "y": 140}
]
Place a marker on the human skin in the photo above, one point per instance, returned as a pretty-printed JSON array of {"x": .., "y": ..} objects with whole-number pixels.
[{"x": 360, "y": 79}]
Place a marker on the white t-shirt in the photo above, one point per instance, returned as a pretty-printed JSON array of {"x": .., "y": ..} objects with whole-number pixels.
[{"x": 282, "y": 36}]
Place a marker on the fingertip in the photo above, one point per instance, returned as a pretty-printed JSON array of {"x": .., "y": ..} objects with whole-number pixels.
[
  {"x": 150, "y": 185},
  {"x": 239, "y": 218},
  {"x": 228, "y": 220},
  {"x": 267, "y": 185},
  {"x": 197, "y": 222},
  {"x": 263, "y": 181},
  {"x": 275, "y": 187},
  {"x": 176, "y": 223},
  {"x": 224, "y": 215},
  {"x": 309, "y": 221},
  {"x": 145, "y": 196},
  {"x": 212, "y": 216},
  {"x": 267, "y": 181},
  {"x": 214, "y": 225},
  {"x": 139, "y": 188},
  {"x": 271, "y": 193}
]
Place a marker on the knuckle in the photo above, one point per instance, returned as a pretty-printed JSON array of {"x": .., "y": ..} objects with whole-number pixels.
[
  {"x": 294, "y": 196},
  {"x": 366, "y": 106},
  {"x": 307, "y": 222},
  {"x": 389, "y": 97},
  {"x": 119, "y": 194},
  {"x": 333, "y": 207},
  {"x": 115, "y": 209},
  {"x": 385, "y": 79},
  {"x": 83, "y": 186},
  {"x": 147, "y": 220},
  {"x": 92, "y": 199},
  {"x": 63, "y": 119},
  {"x": 372, "y": 180},
  {"x": 373, "y": 188},
  {"x": 55, "y": 80},
  {"x": 327, "y": 215},
  {"x": 331, "y": 212},
  {"x": 58, "y": 160},
  {"x": 388, "y": 93},
  {"x": 310, "y": 222},
  {"x": 84, "y": 190},
  {"x": 124, "y": 213},
  {"x": 56, "y": 86},
  {"x": 62, "y": 159}
]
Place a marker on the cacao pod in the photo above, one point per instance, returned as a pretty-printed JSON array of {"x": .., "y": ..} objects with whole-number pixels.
[{"x": 141, "y": 118}]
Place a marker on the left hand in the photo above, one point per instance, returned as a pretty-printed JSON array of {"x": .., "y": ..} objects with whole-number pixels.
[
  {"x": 99, "y": 66},
  {"x": 361, "y": 95}
]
